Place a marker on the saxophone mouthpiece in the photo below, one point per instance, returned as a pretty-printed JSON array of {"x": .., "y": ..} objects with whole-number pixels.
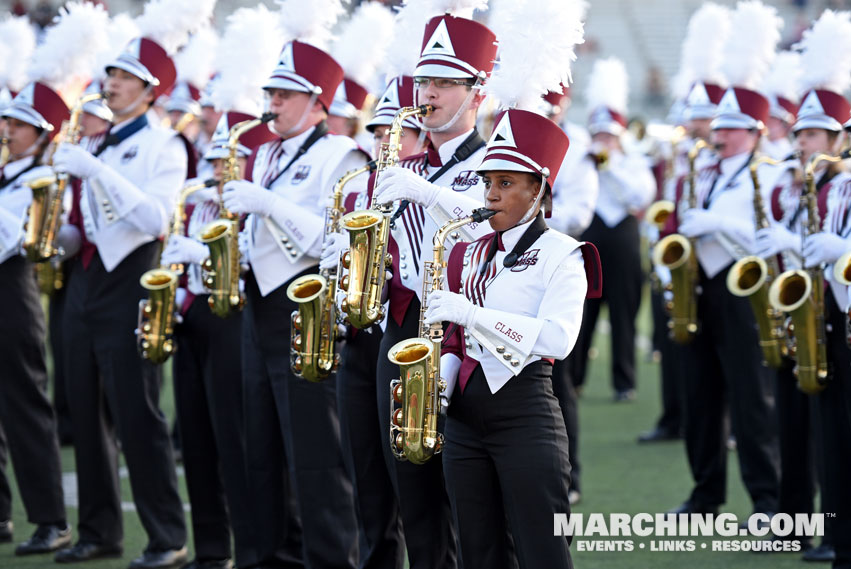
[
  {"x": 371, "y": 165},
  {"x": 481, "y": 214},
  {"x": 211, "y": 182},
  {"x": 425, "y": 110},
  {"x": 266, "y": 117}
]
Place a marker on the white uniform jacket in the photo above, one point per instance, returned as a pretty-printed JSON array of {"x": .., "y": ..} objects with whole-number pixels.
[
  {"x": 627, "y": 186},
  {"x": 130, "y": 201},
  {"x": 15, "y": 197},
  {"x": 289, "y": 241}
]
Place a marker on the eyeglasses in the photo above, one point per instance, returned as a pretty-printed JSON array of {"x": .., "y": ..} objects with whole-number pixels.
[{"x": 440, "y": 82}]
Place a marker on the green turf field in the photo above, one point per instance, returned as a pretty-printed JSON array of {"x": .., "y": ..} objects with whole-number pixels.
[{"x": 618, "y": 476}]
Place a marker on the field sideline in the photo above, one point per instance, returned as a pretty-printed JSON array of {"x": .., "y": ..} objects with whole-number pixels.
[{"x": 618, "y": 476}]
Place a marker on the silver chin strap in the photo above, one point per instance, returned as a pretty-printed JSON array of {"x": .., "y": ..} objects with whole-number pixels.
[
  {"x": 301, "y": 121},
  {"x": 475, "y": 88},
  {"x": 32, "y": 149},
  {"x": 530, "y": 213}
]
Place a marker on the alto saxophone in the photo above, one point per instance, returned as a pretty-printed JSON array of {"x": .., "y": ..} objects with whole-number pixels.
[
  {"x": 800, "y": 294},
  {"x": 751, "y": 277},
  {"x": 313, "y": 330},
  {"x": 677, "y": 253},
  {"x": 155, "y": 328},
  {"x": 369, "y": 235},
  {"x": 222, "y": 267},
  {"x": 842, "y": 275},
  {"x": 45, "y": 210},
  {"x": 413, "y": 426}
]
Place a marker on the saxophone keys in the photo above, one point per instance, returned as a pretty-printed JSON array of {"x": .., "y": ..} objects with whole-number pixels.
[
  {"x": 344, "y": 283},
  {"x": 388, "y": 260},
  {"x": 400, "y": 442},
  {"x": 441, "y": 386},
  {"x": 297, "y": 342},
  {"x": 296, "y": 320},
  {"x": 346, "y": 259},
  {"x": 396, "y": 390},
  {"x": 398, "y": 417},
  {"x": 297, "y": 365},
  {"x": 344, "y": 306}
]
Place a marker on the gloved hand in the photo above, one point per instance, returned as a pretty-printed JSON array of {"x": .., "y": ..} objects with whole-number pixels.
[
  {"x": 246, "y": 197},
  {"x": 824, "y": 248},
  {"x": 698, "y": 222},
  {"x": 398, "y": 183},
  {"x": 444, "y": 306},
  {"x": 76, "y": 161},
  {"x": 775, "y": 239},
  {"x": 183, "y": 250},
  {"x": 331, "y": 250},
  {"x": 36, "y": 173}
]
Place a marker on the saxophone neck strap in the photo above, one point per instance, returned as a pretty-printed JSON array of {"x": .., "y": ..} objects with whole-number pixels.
[{"x": 320, "y": 131}]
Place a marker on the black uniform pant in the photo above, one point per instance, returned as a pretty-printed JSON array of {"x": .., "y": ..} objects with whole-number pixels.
[
  {"x": 208, "y": 397},
  {"x": 26, "y": 416},
  {"x": 112, "y": 390},
  {"x": 727, "y": 371},
  {"x": 833, "y": 420},
  {"x": 56, "y": 308},
  {"x": 567, "y": 400},
  {"x": 620, "y": 257},
  {"x": 292, "y": 446},
  {"x": 507, "y": 471},
  {"x": 382, "y": 544},
  {"x": 430, "y": 535},
  {"x": 673, "y": 368}
]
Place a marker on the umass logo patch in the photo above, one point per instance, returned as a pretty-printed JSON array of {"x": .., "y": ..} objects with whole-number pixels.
[{"x": 465, "y": 180}]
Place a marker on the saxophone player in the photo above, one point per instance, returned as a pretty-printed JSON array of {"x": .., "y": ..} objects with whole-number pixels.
[
  {"x": 32, "y": 120},
  {"x": 129, "y": 186},
  {"x": 292, "y": 429},
  {"x": 516, "y": 304}
]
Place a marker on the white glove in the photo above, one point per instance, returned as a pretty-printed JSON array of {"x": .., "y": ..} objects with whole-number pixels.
[
  {"x": 38, "y": 172},
  {"x": 824, "y": 248},
  {"x": 246, "y": 197},
  {"x": 772, "y": 240},
  {"x": 444, "y": 306},
  {"x": 698, "y": 222},
  {"x": 331, "y": 249},
  {"x": 398, "y": 183},
  {"x": 183, "y": 250},
  {"x": 76, "y": 161}
]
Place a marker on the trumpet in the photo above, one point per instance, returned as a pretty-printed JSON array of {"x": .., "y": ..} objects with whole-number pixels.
[
  {"x": 413, "y": 426},
  {"x": 313, "y": 328},
  {"x": 678, "y": 254},
  {"x": 800, "y": 294},
  {"x": 751, "y": 277},
  {"x": 45, "y": 210},
  {"x": 222, "y": 268},
  {"x": 155, "y": 327},
  {"x": 369, "y": 235}
]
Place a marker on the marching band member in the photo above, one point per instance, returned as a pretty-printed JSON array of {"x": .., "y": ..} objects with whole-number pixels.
[
  {"x": 28, "y": 430},
  {"x": 441, "y": 184},
  {"x": 522, "y": 291},
  {"x": 780, "y": 87},
  {"x": 292, "y": 430},
  {"x": 626, "y": 187},
  {"x": 129, "y": 186}
]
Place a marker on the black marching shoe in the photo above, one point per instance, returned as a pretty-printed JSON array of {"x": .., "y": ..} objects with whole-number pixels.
[
  {"x": 824, "y": 553},
  {"x": 689, "y": 507},
  {"x": 6, "y": 531},
  {"x": 624, "y": 396},
  {"x": 209, "y": 564},
  {"x": 160, "y": 559},
  {"x": 47, "y": 538},
  {"x": 657, "y": 435},
  {"x": 87, "y": 550}
]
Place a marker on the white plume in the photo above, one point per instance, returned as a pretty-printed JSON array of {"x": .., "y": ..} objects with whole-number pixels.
[
  {"x": 750, "y": 49},
  {"x": 196, "y": 62},
  {"x": 363, "y": 43},
  {"x": 65, "y": 57},
  {"x": 120, "y": 31},
  {"x": 701, "y": 54},
  {"x": 784, "y": 76},
  {"x": 247, "y": 53},
  {"x": 15, "y": 51},
  {"x": 536, "y": 48},
  {"x": 608, "y": 85},
  {"x": 826, "y": 53},
  {"x": 170, "y": 22},
  {"x": 404, "y": 50},
  {"x": 310, "y": 21},
  {"x": 459, "y": 8}
]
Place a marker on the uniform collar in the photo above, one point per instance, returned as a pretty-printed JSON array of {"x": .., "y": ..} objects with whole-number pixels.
[
  {"x": 291, "y": 145},
  {"x": 734, "y": 163},
  {"x": 510, "y": 237},
  {"x": 15, "y": 167},
  {"x": 448, "y": 148}
]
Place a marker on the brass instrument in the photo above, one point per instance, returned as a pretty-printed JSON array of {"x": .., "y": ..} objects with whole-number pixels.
[
  {"x": 313, "y": 328},
  {"x": 658, "y": 213},
  {"x": 369, "y": 234},
  {"x": 155, "y": 328},
  {"x": 413, "y": 426},
  {"x": 800, "y": 293},
  {"x": 45, "y": 210},
  {"x": 842, "y": 275},
  {"x": 222, "y": 267},
  {"x": 677, "y": 253},
  {"x": 751, "y": 277},
  {"x": 4, "y": 150}
]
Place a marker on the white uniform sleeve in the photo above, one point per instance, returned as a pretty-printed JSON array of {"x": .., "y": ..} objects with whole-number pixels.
[
  {"x": 147, "y": 207},
  {"x": 10, "y": 229},
  {"x": 633, "y": 176},
  {"x": 455, "y": 205},
  {"x": 552, "y": 333},
  {"x": 450, "y": 364},
  {"x": 575, "y": 197}
]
